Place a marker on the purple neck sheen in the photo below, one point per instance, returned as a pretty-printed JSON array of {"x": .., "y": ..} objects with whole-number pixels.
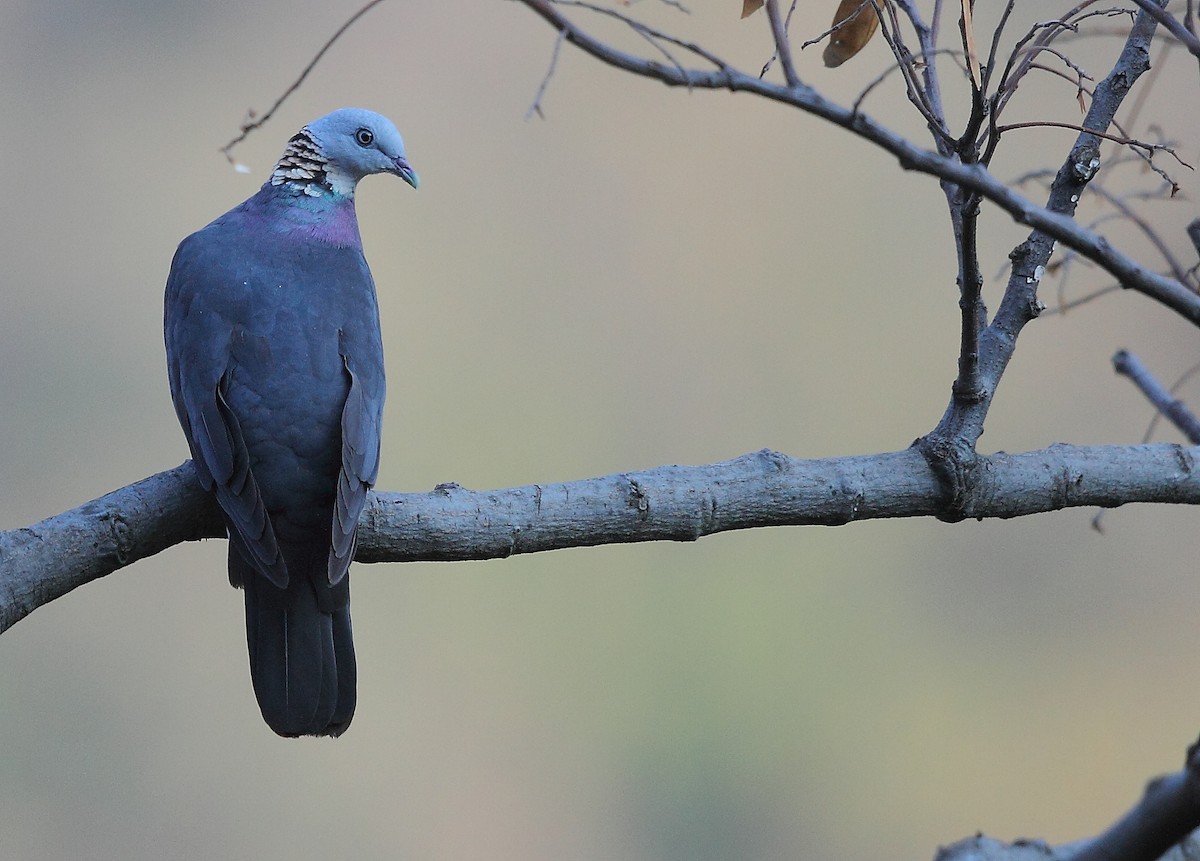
[{"x": 327, "y": 219}]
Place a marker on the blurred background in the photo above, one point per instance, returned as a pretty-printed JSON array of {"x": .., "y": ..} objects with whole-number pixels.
[{"x": 646, "y": 276}]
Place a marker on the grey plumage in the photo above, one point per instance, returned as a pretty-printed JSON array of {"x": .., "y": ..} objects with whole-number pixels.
[{"x": 275, "y": 366}]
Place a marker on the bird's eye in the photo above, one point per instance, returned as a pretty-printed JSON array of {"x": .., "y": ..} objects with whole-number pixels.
[{"x": 365, "y": 137}]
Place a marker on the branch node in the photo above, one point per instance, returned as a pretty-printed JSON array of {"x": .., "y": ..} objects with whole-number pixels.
[
  {"x": 639, "y": 499},
  {"x": 965, "y": 393},
  {"x": 955, "y": 465},
  {"x": 1084, "y": 171}
]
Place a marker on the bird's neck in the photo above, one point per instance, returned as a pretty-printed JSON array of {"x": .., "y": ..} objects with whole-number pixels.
[{"x": 304, "y": 169}]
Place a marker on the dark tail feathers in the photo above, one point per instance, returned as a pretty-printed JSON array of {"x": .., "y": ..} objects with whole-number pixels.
[{"x": 301, "y": 650}]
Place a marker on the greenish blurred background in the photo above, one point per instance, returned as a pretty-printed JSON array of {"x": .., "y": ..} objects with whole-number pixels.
[{"x": 647, "y": 276}]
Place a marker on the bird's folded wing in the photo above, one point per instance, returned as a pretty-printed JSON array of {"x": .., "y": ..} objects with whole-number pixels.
[
  {"x": 360, "y": 467},
  {"x": 198, "y": 358}
]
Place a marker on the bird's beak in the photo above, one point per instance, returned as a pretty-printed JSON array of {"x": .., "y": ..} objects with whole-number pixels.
[{"x": 404, "y": 170}]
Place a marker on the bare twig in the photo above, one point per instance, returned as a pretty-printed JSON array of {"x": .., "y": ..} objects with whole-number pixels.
[
  {"x": 950, "y": 445},
  {"x": 914, "y": 84},
  {"x": 1041, "y": 35},
  {"x": 782, "y": 48},
  {"x": 1056, "y": 226},
  {"x": 672, "y": 3},
  {"x": 1064, "y": 306},
  {"x": 646, "y": 32},
  {"x": 1120, "y": 139},
  {"x": 956, "y": 56},
  {"x": 837, "y": 25},
  {"x": 253, "y": 124},
  {"x": 536, "y": 107},
  {"x": 927, "y": 35},
  {"x": 990, "y": 68},
  {"x": 787, "y": 25},
  {"x": 965, "y": 215},
  {"x": 1151, "y": 234},
  {"x": 1175, "y": 387},
  {"x": 1174, "y": 410}
]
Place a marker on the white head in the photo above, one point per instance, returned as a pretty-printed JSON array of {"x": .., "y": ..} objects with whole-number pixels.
[{"x": 330, "y": 155}]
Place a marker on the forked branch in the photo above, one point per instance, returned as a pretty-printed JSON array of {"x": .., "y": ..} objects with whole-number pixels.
[{"x": 1126, "y": 269}]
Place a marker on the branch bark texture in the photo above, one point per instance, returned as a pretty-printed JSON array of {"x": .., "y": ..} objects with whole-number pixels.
[{"x": 670, "y": 503}]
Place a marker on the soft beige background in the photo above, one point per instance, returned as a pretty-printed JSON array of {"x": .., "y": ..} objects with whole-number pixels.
[{"x": 645, "y": 277}]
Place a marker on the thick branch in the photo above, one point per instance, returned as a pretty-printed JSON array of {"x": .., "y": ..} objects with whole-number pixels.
[
  {"x": 49, "y": 559},
  {"x": 1160, "y": 826},
  {"x": 974, "y": 177},
  {"x": 1168, "y": 811},
  {"x": 1173, "y": 25},
  {"x": 673, "y": 503}
]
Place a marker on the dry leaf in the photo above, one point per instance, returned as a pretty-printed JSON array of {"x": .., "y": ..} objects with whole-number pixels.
[
  {"x": 858, "y": 24},
  {"x": 749, "y": 7}
]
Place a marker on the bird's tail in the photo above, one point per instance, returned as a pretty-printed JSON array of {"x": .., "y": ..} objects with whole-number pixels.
[{"x": 301, "y": 650}]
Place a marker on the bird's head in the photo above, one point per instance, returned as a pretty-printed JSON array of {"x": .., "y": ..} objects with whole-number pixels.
[{"x": 332, "y": 154}]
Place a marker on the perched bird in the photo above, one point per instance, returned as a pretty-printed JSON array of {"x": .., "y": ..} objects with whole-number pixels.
[{"x": 276, "y": 371}]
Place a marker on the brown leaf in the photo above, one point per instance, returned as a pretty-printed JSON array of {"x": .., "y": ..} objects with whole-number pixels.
[
  {"x": 856, "y": 24},
  {"x": 749, "y": 7}
]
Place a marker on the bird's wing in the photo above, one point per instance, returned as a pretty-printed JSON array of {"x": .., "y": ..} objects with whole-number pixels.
[
  {"x": 199, "y": 326},
  {"x": 360, "y": 467}
]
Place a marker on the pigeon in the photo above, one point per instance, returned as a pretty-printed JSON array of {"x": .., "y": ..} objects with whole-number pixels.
[{"x": 275, "y": 364}]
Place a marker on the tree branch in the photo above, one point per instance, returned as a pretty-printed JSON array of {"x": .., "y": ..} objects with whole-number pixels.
[
  {"x": 1160, "y": 826},
  {"x": 670, "y": 503},
  {"x": 254, "y": 122},
  {"x": 1176, "y": 411},
  {"x": 962, "y": 424},
  {"x": 964, "y": 216},
  {"x": 1168, "y": 811},
  {"x": 782, "y": 48},
  {"x": 1128, "y": 271},
  {"x": 1173, "y": 25}
]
